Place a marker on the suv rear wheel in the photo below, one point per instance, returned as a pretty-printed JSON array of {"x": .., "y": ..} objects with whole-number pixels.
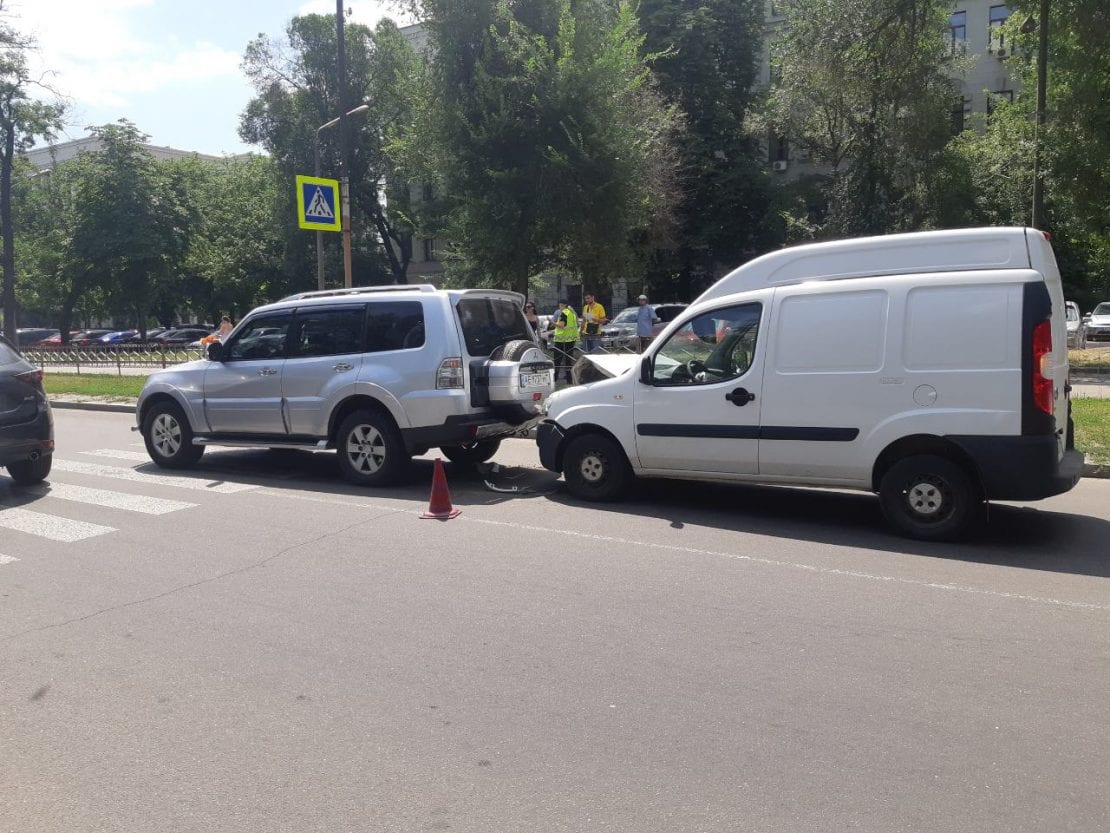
[
  {"x": 472, "y": 453},
  {"x": 370, "y": 449}
]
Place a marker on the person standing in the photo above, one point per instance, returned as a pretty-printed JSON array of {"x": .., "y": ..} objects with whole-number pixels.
[
  {"x": 593, "y": 316},
  {"x": 645, "y": 318},
  {"x": 566, "y": 336},
  {"x": 225, "y": 328}
]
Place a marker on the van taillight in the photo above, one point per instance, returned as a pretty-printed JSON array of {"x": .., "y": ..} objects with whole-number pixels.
[
  {"x": 1042, "y": 385},
  {"x": 450, "y": 374}
]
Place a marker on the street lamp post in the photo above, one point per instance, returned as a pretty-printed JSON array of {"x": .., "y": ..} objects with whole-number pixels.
[
  {"x": 1037, "y": 219},
  {"x": 343, "y": 209}
]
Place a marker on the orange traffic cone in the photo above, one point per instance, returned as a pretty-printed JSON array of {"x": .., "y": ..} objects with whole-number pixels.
[{"x": 439, "y": 507}]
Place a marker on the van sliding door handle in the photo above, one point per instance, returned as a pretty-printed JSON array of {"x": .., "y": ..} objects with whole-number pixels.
[{"x": 740, "y": 397}]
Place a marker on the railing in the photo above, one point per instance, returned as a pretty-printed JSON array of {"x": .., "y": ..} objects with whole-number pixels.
[{"x": 106, "y": 356}]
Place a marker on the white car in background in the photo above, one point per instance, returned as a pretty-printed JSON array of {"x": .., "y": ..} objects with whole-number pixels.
[
  {"x": 1077, "y": 327},
  {"x": 1098, "y": 327}
]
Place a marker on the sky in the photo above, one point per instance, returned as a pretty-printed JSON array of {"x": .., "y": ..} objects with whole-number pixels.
[{"x": 169, "y": 66}]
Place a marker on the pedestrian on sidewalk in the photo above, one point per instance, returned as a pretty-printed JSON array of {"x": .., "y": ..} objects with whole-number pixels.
[
  {"x": 645, "y": 318},
  {"x": 225, "y": 328},
  {"x": 593, "y": 316},
  {"x": 566, "y": 336}
]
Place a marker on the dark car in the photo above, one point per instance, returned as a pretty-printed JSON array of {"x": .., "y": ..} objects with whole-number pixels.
[
  {"x": 28, "y": 336},
  {"x": 26, "y": 424},
  {"x": 87, "y": 338},
  {"x": 181, "y": 336}
]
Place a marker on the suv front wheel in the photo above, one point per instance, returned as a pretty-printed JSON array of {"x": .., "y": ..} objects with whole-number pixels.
[
  {"x": 371, "y": 451},
  {"x": 169, "y": 438}
]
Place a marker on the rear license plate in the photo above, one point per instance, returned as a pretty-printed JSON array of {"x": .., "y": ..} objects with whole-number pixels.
[{"x": 534, "y": 380}]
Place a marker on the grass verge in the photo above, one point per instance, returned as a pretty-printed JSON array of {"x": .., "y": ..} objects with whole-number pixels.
[
  {"x": 119, "y": 387},
  {"x": 1092, "y": 428}
]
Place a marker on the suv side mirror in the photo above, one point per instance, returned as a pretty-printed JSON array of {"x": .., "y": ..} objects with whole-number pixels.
[
  {"x": 646, "y": 371},
  {"x": 214, "y": 351}
]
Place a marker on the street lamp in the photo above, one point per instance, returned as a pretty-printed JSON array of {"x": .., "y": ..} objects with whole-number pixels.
[
  {"x": 344, "y": 207},
  {"x": 1037, "y": 219}
]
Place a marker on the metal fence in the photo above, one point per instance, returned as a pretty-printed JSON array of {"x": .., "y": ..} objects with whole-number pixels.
[{"x": 118, "y": 356}]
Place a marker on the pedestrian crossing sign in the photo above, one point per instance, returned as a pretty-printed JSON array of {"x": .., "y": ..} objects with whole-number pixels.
[{"x": 317, "y": 203}]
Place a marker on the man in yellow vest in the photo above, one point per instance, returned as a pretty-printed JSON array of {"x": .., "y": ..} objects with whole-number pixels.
[{"x": 566, "y": 336}]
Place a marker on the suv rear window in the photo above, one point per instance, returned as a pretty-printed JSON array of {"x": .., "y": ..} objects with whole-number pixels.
[
  {"x": 487, "y": 323},
  {"x": 8, "y": 354}
]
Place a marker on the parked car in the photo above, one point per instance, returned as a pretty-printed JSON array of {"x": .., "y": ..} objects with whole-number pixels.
[
  {"x": 378, "y": 373},
  {"x": 26, "y": 424},
  {"x": 180, "y": 337},
  {"x": 1098, "y": 326},
  {"x": 88, "y": 338},
  {"x": 620, "y": 333},
  {"x": 936, "y": 387},
  {"x": 118, "y": 337},
  {"x": 1077, "y": 327},
  {"x": 30, "y": 336}
]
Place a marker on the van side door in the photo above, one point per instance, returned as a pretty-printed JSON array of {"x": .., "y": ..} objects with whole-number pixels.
[{"x": 701, "y": 411}]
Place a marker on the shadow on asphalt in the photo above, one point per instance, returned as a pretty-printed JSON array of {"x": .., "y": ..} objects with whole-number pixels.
[{"x": 1029, "y": 538}]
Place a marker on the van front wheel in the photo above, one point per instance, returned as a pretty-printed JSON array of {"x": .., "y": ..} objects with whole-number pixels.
[
  {"x": 928, "y": 497},
  {"x": 595, "y": 468}
]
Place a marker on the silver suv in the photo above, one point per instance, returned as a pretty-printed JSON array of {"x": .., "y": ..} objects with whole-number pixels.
[{"x": 378, "y": 373}]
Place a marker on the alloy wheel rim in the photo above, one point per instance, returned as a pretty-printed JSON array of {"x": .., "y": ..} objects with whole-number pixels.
[
  {"x": 366, "y": 449},
  {"x": 166, "y": 435}
]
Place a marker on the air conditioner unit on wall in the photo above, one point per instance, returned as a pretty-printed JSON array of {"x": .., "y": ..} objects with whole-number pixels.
[
  {"x": 779, "y": 165},
  {"x": 1000, "y": 54}
]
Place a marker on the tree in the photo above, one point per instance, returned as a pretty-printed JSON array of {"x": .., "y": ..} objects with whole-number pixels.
[
  {"x": 297, "y": 91},
  {"x": 871, "y": 103},
  {"x": 22, "y": 120},
  {"x": 544, "y": 133},
  {"x": 704, "y": 57}
]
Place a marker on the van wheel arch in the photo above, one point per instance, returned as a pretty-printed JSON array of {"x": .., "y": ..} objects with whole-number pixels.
[
  {"x": 356, "y": 403},
  {"x": 923, "y": 444},
  {"x": 581, "y": 430}
]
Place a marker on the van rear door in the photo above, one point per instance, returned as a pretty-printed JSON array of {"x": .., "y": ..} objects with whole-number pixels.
[{"x": 1050, "y": 365}]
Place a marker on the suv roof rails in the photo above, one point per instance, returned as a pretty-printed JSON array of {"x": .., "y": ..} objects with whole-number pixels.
[{"x": 360, "y": 290}]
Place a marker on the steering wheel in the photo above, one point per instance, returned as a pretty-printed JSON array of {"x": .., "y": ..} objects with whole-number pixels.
[{"x": 688, "y": 370}]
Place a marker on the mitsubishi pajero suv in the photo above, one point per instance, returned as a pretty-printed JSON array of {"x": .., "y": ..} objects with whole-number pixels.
[{"x": 377, "y": 373}]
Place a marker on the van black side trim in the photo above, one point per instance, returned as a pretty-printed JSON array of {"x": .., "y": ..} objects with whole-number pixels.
[{"x": 749, "y": 432}]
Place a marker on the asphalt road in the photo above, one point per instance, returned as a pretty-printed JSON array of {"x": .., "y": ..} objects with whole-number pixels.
[{"x": 256, "y": 646}]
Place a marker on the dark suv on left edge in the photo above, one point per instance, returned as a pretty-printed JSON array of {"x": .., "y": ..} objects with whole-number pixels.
[{"x": 26, "y": 424}]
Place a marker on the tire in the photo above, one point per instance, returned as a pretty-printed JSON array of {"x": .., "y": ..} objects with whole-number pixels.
[
  {"x": 929, "y": 497},
  {"x": 30, "y": 472},
  {"x": 370, "y": 449},
  {"x": 169, "y": 437},
  {"x": 472, "y": 453},
  {"x": 512, "y": 351},
  {"x": 596, "y": 469}
]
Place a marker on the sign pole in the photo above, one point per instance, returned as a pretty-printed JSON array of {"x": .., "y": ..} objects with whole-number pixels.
[
  {"x": 319, "y": 234},
  {"x": 345, "y": 197}
]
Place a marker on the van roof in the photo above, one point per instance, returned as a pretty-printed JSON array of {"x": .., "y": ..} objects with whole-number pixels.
[{"x": 957, "y": 250}]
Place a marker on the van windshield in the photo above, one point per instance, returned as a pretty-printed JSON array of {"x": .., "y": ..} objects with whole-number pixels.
[{"x": 487, "y": 323}]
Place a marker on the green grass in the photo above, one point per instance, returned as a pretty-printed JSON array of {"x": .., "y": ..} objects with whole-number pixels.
[
  {"x": 1095, "y": 356},
  {"x": 1092, "y": 428},
  {"x": 121, "y": 387}
]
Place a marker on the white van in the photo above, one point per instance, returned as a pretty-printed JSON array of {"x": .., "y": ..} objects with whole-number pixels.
[{"x": 930, "y": 368}]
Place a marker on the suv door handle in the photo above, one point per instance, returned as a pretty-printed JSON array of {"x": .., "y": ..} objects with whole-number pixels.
[
  {"x": 341, "y": 367},
  {"x": 267, "y": 371},
  {"x": 740, "y": 397}
]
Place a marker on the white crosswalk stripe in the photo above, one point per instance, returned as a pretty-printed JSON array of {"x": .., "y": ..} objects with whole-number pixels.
[
  {"x": 7, "y": 559},
  {"x": 114, "y": 500},
  {"x": 119, "y": 454},
  {"x": 65, "y": 530},
  {"x": 182, "y": 482}
]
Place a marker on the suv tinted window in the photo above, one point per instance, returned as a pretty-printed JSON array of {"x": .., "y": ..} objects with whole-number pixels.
[
  {"x": 262, "y": 338},
  {"x": 327, "y": 332},
  {"x": 487, "y": 323},
  {"x": 8, "y": 354},
  {"x": 394, "y": 325}
]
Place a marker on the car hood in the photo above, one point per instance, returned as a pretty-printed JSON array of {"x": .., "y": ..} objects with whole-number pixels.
[
  {"x": 613, "y": 364},
  {"x": 1100, "y": 320}
]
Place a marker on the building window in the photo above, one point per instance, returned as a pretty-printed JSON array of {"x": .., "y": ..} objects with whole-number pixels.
[
  {"x": 994, "y": 98},
  {"x": 998, "y": 16},
  {"x": 957, "y": 31},
  {"x": 428, "y": 192},
  {"x": 961, "y": 109},
  {"x": 430, "y": 249},
  {"x": 778, "y": 149}
]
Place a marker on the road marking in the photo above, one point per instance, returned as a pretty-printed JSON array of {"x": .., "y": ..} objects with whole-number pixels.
[
  {"x": 50, "y": 526},
  {"x": 114, "y": 500},
  {"x": 118, "y": 454},
  {"x": 7, "y": 559},
  {"x": 795, "y": 565},
  {"x": 182, "y": 482}
]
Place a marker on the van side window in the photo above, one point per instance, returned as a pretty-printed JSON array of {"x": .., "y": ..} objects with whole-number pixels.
[
  {"x": 713, "y": 347},
  {"x": 327, "y": 332},
  {"x": 394, "y": 325},
  {"x": 263, "y": 337}
]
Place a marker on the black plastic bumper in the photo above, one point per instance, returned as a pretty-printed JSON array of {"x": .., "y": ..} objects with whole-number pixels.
[
  {"x": 460, "y": 431},
  {"x": 19, "y": 442},
  {"x": 1022, "y": 468},
  {"x": 549, "y": 436}
]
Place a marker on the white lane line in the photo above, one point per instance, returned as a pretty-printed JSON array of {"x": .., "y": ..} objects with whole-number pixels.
[
  {"x": 795, "y": 565},
  {"x": 50, "y": 526},
  {"x": 119, "y": 454},
  {"x": 7, "y": 559},
  {"x": 114, "y": 500},
  {"x": 184, "y": 482}
]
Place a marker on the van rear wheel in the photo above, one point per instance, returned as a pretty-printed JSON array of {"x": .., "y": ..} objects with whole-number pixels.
[
  {"x": 595, "y": 468},
  {"x": 928, "y": 497}
]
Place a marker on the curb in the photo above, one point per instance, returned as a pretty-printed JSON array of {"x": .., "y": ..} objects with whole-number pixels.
[{"x": 1098, "y": 471}]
